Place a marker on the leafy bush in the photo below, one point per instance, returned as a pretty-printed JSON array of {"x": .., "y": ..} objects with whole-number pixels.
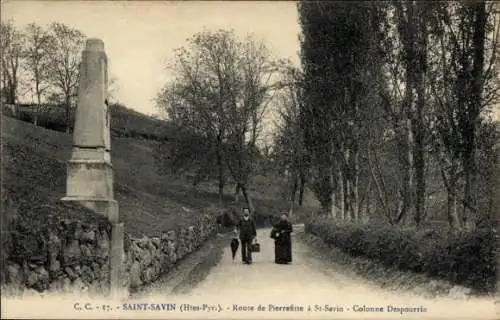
[{"x": 466, "y": 259}]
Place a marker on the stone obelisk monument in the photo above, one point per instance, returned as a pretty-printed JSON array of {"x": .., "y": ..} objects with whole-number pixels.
[{"x": 90, "y": 174}]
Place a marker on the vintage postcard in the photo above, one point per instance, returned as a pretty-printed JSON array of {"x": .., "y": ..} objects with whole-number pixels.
[{"x": 250, "y": 159}]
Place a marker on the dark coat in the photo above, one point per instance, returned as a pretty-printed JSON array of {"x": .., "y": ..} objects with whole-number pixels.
[
  {"x": 283, "y": 242},
  {"x": 248, "y": 230},
  {"x": 234, "y": 246}
]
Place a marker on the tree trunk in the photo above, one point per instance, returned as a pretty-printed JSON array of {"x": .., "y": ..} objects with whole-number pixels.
[
  {"x": 469, "y": 196},
  {"x": 407, "y": 33},
  {"x": 452, "y": 210},
  {"x": 221, "y": 183},
  {"x": 301, "y": 188},
  {"x": 9, "y": 81},
  {"x": 419, "y": 148},
  {"x": 340, "y": 187},
  {"x": 68, "y": 113},
  {"x": 355, "y": 186},
  {"x": 248, "y": 200},
  {"x": 364, "y": 202},
  {"x": 474, "y": 112},
  {"x": 420, "y": 68},
  {"x": 420, "y": 178},
  {"x": 366, "y": 213},
  {"x": 451, "y": 188},
  {"x": 5, "y": 85},
  {"x": 381, "y": 194},
  {"x": 221, "y": 195},
  {"x": 237, "y": 192},
  {"x": 11, "y": 97},
  {"x": 332, "y": 211},
  {"x": 38, "y": 97},
  {"x": 407, "y": 189},
  {"x": 14, "y": 85},
  {"x": 292, "y": 208},
  {"x": 354, "y": 167},
  {"x": 348, "y": 185},
  {"x": 293, "y": 194},
  {"x": 348, "y": 203},
  {"x": 39, "y": 104}
]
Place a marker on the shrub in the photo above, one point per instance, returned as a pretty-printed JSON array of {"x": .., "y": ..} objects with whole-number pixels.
[{"x": 466, "y": 259}]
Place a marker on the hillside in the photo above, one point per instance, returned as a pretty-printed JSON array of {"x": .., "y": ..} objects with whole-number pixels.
[{"x": 34, "y": 163}]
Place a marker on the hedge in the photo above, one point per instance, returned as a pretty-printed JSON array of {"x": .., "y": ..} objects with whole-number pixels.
[
  {"x": 124, "y": 122},
  {"x": 467, "y": 259}
]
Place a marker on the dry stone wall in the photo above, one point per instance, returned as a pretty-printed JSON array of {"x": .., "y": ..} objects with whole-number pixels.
[
  {"x": 74, "y": 257},
  {"x": 147, "y": 258}
]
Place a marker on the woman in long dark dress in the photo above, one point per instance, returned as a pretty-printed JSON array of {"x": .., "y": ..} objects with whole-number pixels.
[{"x": 282, "y": 241}]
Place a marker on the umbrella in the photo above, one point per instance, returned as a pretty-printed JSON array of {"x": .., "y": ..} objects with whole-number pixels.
[{"x": 234, "y": 246}]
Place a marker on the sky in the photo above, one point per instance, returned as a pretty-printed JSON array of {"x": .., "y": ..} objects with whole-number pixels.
[{"x": 140, "y": 36}]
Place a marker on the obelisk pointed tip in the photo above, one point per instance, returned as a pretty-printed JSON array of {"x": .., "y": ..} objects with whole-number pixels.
[{"x": 94, "y": 44}]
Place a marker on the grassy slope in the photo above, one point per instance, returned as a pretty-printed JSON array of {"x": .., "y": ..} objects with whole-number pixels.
[{"x": 34, "y": 161}]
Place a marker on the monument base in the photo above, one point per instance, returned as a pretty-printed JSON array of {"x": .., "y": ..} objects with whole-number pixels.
[
  {"x": 89, "y": 178},
  {"x": 106, "y": 207}
]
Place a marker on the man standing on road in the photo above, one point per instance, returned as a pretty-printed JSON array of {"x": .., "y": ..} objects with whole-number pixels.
[{"x": 248, "y": 232}]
